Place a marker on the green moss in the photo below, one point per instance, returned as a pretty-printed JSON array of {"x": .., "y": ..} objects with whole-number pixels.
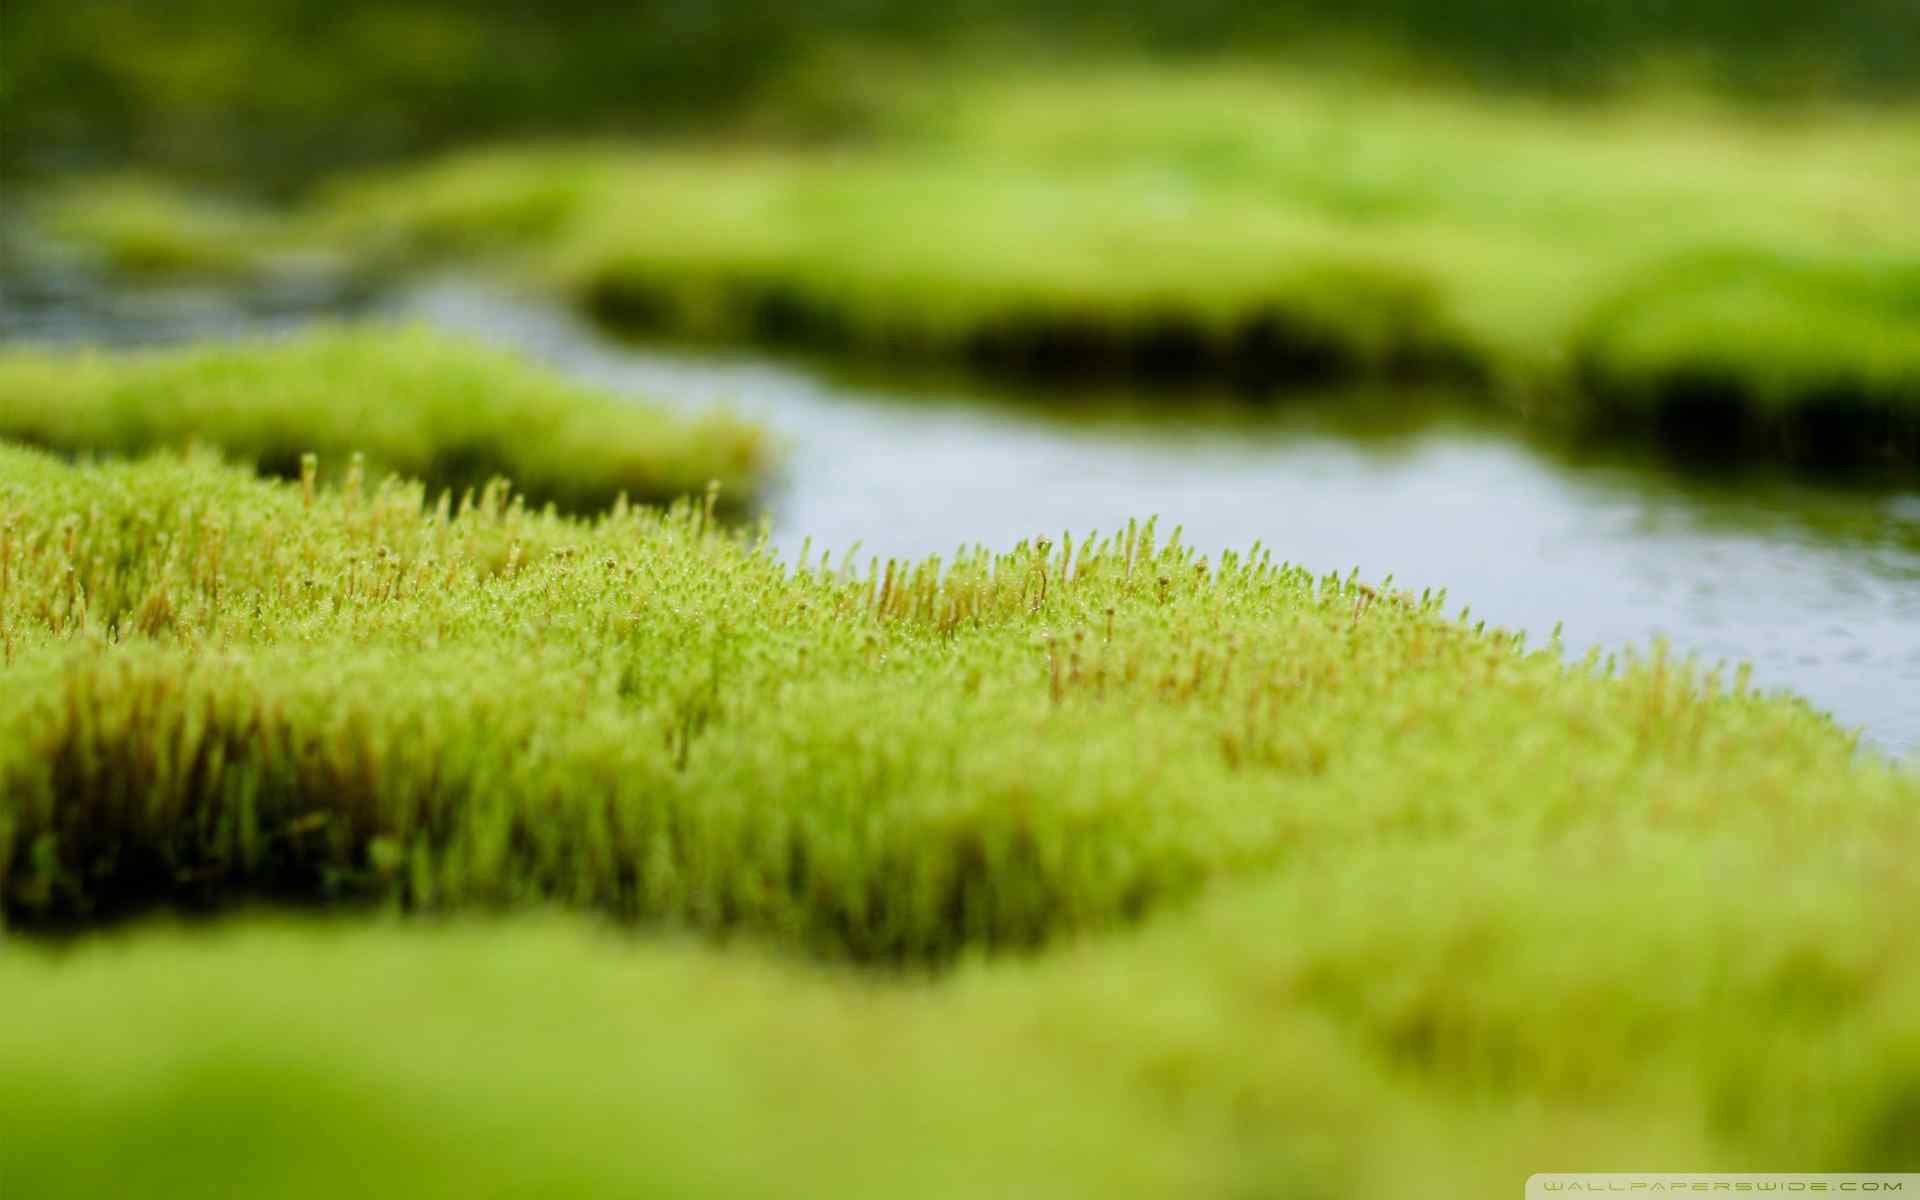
[
  {"x": 1236, "y": 223},
  {"x": 1435, "y": 1017},
  {"x": 141, "y": 228},
  {"x": 218, "y": 689},
  {"x": 1383, "y": 900},
  {"x": 445, "y": 411},
  {"x": 1789, "y": 354},
  {"x": 461, "y": 205},
  {"x": 1602, "y": 264},
  {"x": 282, "y": 88}
]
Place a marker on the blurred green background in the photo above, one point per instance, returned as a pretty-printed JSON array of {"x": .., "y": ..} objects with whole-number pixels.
[{"x": 288, "y": 87}]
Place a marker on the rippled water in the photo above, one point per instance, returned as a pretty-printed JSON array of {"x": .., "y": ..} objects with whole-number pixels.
[{"x": 1818, "y": 587}]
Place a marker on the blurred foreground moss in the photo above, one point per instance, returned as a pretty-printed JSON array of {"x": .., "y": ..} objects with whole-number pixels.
[
  {"x": 220, "y": 688},
  {"x": 1440, "y": 1017},
  {"x": 446, "y": 411}
]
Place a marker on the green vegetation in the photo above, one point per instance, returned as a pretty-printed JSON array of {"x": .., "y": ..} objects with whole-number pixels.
[
  {"x": 221, "y": 687},
  {"x": 1417, "y": 909},
  {"x": 587, "y": 848},
  {"x": 279, "y": 88},
  {"x": 445, "y": 411},
  {"x": 1662, "y": 261},
  {"x": 1660, "y": 266},
  {"x": 139, "y": 229},
  {"x": 1437, "y": 1014}
]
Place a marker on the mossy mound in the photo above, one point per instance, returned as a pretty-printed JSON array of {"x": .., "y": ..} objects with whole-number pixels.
[
  {"x": 222, "y": 688},
  {"x": 446, "y": 411}
]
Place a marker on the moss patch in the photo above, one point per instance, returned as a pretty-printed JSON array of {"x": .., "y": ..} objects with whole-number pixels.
[{"x": 446, "y": 411}]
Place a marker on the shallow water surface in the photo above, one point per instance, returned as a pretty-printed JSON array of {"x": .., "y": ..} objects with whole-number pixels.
[{"x": 1818, "y": 587}]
